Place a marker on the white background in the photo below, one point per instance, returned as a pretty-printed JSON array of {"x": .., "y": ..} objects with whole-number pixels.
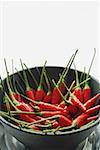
[{"x": 52, "y": 31}]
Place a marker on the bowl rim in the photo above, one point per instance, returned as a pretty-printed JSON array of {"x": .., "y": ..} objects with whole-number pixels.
[{"x": 4, "y": 121}]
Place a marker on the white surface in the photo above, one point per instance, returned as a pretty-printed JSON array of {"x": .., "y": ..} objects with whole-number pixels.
[{"x": 35, "y": 31}]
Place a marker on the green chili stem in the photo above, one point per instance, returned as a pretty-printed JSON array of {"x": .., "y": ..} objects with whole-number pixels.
[
  {"x": 41, "y": 77},
  {"x": 47, "y": 81},
  {"x": 81, "y": 83},
  {"x": 72, "y": 85},
  {"x": 14, "y": 78},
  {"x": 77, "y": 79},
  {"x": 25, "y": 76},
  {"x": 65, "y": 70},
  {"x": 30, "y": 72},
  {"x": 19, "y": 86},
  {"x": 44, "y": 119},
  {"x": 19, "y": 74},
  {"x": 67, "y": 102},
  {"x": 91, "y": 63}
]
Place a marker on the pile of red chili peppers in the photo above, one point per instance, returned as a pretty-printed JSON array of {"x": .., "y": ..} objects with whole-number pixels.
[{"x": 51, "y": 107}]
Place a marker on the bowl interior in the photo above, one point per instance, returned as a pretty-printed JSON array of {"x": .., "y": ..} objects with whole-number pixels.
[{"x": 53, "y": 73}]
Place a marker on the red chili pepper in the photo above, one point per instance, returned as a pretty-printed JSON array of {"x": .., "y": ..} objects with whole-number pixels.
[
  {"x": 55, "y": 125},
  {"x": 50, "y": 107},
  {"x": 26, "y": 118},
  {"x": 46, "y": 114},
  {"x": 71, "y": 107},
  {"x": 18, "y": 105},
  {"x": 86, "y": 93},
  {"x": 62, "y": 88},
  {"x": 17, "y": 97},
  {"x": 48, "y": 96},
  {"x": 63, "y": 121},
  {"x": 56, "y": 97},
  {"x": 40, "y": 93},
  {"x": 78, "y": 91},
  {"x": 87, "y": 89},
  {"x": 35, "y": 128},
  {"x": 92, "y": 101},
  {"x": 29, "y": 91},
  {"x": 92, "y": 118},
  {"x": 80, "y": 120},
  {"x": 65, "y": 112},
  {"x": 93, "y": 110},
  {"x": 63, "y": 104},
  {"x": 30, "y": 94},
  {"x": 24, "y": 107},
  {"x": 76, "y": 101}
]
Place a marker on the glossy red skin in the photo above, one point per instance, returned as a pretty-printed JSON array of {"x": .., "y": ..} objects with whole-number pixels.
[
  {"x": 17, "y": 97},
  {"x": 62, "y": 104},
  {"x": 80, "y": 120},
  {"x": 47, "y": 98},
  {"x": 25, "y": 107},
  {"x": 92, "y": 110},
  {"x": 86, "y": 94},
  {"x": 79, "y": 94},
  {"x": 62, "y": 88},
  {"x": 40, "y": 94},
  {"x": 47, "y": 107},
  {"x": 65, "y": 113},
  {"x": 56, "y": 97},
  {"x": 72, "y": 108},
  {"x": 26, "y": 118},
  {"x": 35, "y": 128},
  {"x": 77, "y": 103},
  {"x": 55, "y": 125},
  {"x": 46, "y": 114},
  {"x": 64, "y": 121},
  {"x": 92, "y": 118},
  {"x": 30, "y": 94},
  {"x": 92, "y": 101}
]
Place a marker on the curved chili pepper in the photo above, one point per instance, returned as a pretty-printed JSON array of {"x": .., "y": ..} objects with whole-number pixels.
[
  {"x": 46, "y": 114},
  {"x": 26, "y": 118},
  {"x": 92, "y": 118},
  {"x": 75, "y": 100},
  {"x": 80, "y": 120},
  {"x": 77, "y": 103},
  {"x": 63, "y": 121},
  {"x": 92, "y": 101},
  {"x": 93, "y": 110},
  {"x": 51, "y": 107}
]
